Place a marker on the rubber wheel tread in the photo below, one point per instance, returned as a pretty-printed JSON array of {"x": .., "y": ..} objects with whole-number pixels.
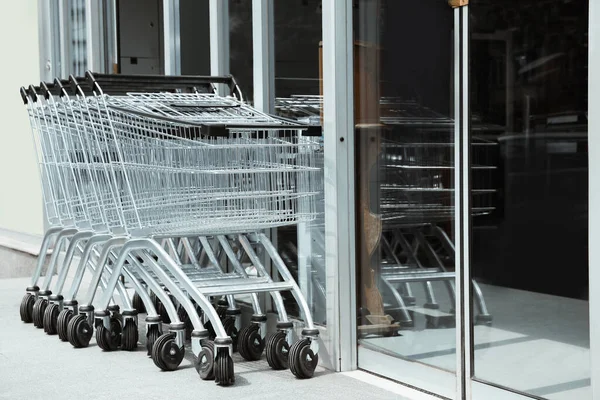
[
  {"x": 50, "y": 321},
  {"x": 38, "y": 312},
  {"x": 130, "y": 335},
  {"x": 26, "y": 309},
  {"x": 224, "y": 373},
  {"x": 63, "y": 323},
  {"x": 273, "y": 358}
]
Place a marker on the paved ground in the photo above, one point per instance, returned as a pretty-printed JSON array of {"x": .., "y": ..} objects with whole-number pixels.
[{"x": 35, "y": 365}]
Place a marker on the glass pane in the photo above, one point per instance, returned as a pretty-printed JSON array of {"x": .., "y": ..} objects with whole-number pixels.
[
  {"x": 528, "y": 76},
  {"x": 404, "y": 138},
  {"x": 194, "y": 38},
  {"x": 240, "y": 46},
  {"x": 298, "y": 35}
]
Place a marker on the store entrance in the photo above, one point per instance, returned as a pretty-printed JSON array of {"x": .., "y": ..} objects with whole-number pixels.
[{"x": 521, "y": 217}]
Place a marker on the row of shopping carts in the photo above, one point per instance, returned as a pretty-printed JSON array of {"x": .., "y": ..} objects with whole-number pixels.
[{"x": 160, "y": 185}]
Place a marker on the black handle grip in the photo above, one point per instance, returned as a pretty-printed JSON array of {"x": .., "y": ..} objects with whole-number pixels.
[
  {"x": 23, "y": 93},
  {"x": 33, "y": 93},
  {"x": 121, "y": 84}
]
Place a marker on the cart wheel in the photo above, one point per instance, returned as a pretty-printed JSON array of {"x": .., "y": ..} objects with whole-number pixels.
[
  {"x": 130, "y": 335},
  {"x": 63, "y": 323},
  {"x": 277, "y": 349},
  {"x": 223, "y": 368},
  {"x": 231, "y": 331},
  {"x": 152, "y": 335},
  {"x": 138, "y": 304},
  {"x": 79, "y": 332},
  {"x": 166, "y": 354},
  {"x": 39, "y": 307},
  {"x": 250, "y": 343},
  {"x": 51, "y": 319},
  {"x": 205, "y": 361},
  {"x": 109, "y": 339},
  {"x": 302, "y": 359},
  {"x": 27, "y": 308}
]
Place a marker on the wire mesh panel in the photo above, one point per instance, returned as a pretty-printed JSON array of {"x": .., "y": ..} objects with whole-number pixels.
[{"x": 170, "y": 175}]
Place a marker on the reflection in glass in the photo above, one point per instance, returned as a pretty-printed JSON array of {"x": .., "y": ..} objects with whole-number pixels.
[
  {"x": 528, "y": 80},
  {"x": 298, "y": 95},
  {"x": 404, "y": 137}
]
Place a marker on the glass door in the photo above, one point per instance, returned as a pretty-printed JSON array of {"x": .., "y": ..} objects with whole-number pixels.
[
  {"x": 529, "y": 211},
  {"x": 405, "y": 194}
]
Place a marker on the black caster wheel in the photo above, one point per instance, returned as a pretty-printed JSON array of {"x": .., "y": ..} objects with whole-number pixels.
[
  {"x": 223, "y": 368},
  {"x": 27, "y": 308},
  {"x": 303, "y": 361},
  {"x": 152, "y": 335},
  {"x": 138, "y": 304},
  {"x": 39, "y": 307},
  {"x": 62, "y": 324},
  {"x": 205, "y": 361},
  {"x": 109, "y": 339},
  {"x": 277, "y": 349},
  {"x": 51, "y": 319},
  {"x": 129, "y": 339},
  {"x": 231, "y": 331},
  {"x": 166, "y": 354},
  {"x": 250, "y": 343},
  {"x": 79, "y": 332}
]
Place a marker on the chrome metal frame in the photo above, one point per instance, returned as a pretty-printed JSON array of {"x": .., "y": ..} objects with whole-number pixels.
[
  {"x": 339, "y": 183},
  {"x": 171, "y": 39},
  {"x": 594, "y": 192},
  {"x": 219, "y": 39}
]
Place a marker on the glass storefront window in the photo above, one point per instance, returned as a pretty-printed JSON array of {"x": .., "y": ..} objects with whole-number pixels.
[
  {"x": 240, "y": 46},
  {"x": 298, "y": 95},
  {"x": 528, "y": 92},
  {"x": 404, "y": 138}
]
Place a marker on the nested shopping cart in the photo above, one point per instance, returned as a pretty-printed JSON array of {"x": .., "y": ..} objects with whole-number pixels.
[
  {"x": 75, "y": 198},
  {"x": 197, "y": 165},
  {"x": 68, "y": 212}
]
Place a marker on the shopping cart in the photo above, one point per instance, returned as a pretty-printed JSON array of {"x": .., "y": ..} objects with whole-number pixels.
[
  {"x": 198, "y": 165},
  {"x": 67, "y": 210}
]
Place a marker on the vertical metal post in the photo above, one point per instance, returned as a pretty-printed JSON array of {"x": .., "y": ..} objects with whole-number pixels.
[
  {"x": 47, "y": 61},
  {"x": 462, "y": 204},
  {"x": 94, "y": 28},
  {"x": 263, "y": 59},
  {"x": 594, "y": 192},
  {"x": 111, "y": 44},
  {"x": 219, "y": 38},
  {"x": 263, "y": 51},
  {"x": 340, "y": 227},
  {"x": 64, "y": 23},
  {"x": 172, "y": 42}
]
